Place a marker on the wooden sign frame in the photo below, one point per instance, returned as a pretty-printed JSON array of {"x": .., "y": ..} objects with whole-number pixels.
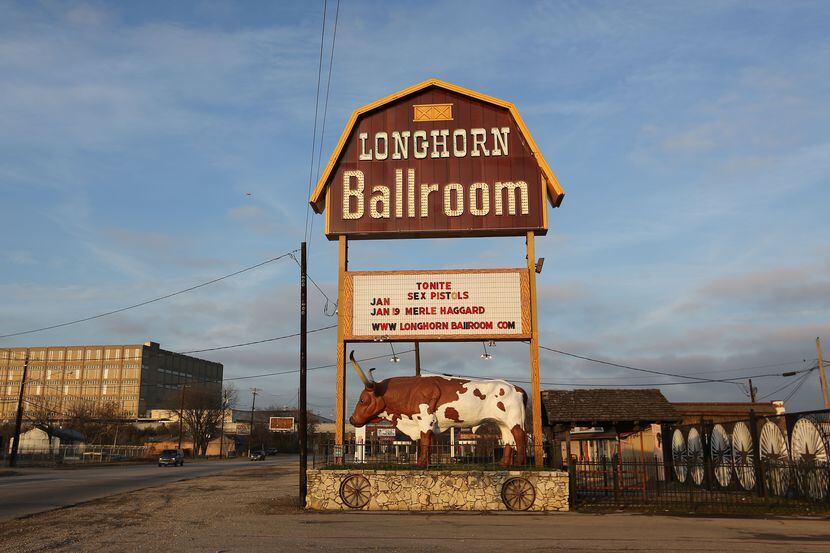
[
  {"x": 435, "y": 112},
  {"x": 524, "y": 291}
]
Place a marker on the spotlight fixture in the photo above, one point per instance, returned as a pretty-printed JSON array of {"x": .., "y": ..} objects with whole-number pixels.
[
  {"x": 539, "y": 264},
  {"x": 394, "y": 358},
  {"x": 491, "y": 343},
  {"x": 486, "y": 355}
]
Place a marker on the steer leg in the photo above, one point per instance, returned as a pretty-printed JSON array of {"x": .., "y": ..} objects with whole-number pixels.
[
  {"x": 424, "y": 448},
  {"x": 507, "y": 458},
  {"x": 521, "y": 444}
]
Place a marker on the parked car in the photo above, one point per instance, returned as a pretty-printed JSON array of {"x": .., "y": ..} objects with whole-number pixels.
[
  {"x": 271, "y": 451},
  {"x": 257, "y": 456},
  {"x": 172, "y": 457}
]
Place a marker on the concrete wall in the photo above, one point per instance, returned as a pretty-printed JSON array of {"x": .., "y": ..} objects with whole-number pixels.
[{"x": 451, "y": 490}]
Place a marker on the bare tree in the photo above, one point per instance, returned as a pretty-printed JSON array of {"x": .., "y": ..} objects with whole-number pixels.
[
  {"x": 98, "y": 422},
  {"x": 202, "y": 416},
  {"x": 43, "y": 413}
]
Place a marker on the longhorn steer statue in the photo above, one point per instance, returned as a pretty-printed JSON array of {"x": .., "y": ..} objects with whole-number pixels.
[{"x": 420, "y": 406}]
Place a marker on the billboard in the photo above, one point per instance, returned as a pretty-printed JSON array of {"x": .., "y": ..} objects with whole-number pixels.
[
  {"x": 281, "y": 424},
  {"x": 243, "y": 428},
  {"x": 438, "y": 305},
  {"x": 436, "y": 159}
]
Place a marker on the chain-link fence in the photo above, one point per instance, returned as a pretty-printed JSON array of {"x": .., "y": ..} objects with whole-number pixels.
[{"x": 80, "y": 454}]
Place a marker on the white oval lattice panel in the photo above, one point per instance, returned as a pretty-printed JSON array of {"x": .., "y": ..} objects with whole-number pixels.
[
  {"x": 678, "y": 454},
  {"x": 721, "y": 448},
  {"x": 809, "y": 452},
  {"x": 743, "y": 455},
  {"x": 694, "y": 454}
]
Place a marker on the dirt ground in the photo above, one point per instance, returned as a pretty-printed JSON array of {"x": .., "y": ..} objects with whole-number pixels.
[{"x": 254, "y": 510}]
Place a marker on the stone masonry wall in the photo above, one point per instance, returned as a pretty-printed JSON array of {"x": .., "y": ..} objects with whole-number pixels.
[{"x": 451, "y": 490}]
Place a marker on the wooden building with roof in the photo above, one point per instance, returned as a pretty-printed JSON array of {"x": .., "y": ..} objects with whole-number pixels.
[{"x": 588, "y": 425}]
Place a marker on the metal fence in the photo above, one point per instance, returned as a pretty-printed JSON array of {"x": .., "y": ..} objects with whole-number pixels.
[
  {"x": 759, "y": 462},
  {"x": 80, "y": 454},
  {"x": 402, "y": 456}
]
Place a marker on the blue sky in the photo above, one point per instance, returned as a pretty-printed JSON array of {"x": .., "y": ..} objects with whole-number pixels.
[{"x": 691, "y": 140}]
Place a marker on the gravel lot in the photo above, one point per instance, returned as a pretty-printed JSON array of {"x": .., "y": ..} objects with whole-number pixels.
[{"x": 254, "y": 510}]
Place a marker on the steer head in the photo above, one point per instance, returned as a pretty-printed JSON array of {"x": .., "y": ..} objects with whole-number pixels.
[{"x": 371, "y": 402}]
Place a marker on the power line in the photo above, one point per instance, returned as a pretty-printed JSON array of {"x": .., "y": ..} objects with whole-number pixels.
[
  {"x": 244, "y": 344},
  {"x": 797, "y": 387},
  {"x": 316, "y": 108},
  {"x": 326, "y": 105},
  {"x": 650, "y": 371},
  {"x": 329, "y": 301},
  {"x": 147, "y": 302},
  {"x": 785, "y": 386},
  {"x": 329, "y": 366}
]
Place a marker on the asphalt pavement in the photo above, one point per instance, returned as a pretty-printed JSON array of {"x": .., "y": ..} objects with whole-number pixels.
[{"x": 31, "y": 491}]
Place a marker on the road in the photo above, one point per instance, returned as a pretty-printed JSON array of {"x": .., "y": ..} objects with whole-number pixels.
[
  {"x": 36, "y": 490},
  {"x": 255, "y": 510}
]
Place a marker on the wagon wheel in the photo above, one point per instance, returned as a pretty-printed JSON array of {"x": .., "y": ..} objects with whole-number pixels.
[
  {"x": 810, "y": 458},
  {"x": 518, "y": 494},
  {"x": 694, "y": 456},
  {"x": 678, "y": 455},
  {"x": 354, "y": 491},
  {"x": 742, "y": 455},
  {"x": 775, "y": 458},
  {"x": 721, "y": 455}
]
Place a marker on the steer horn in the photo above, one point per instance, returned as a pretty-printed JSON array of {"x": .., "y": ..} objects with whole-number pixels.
[{"x": 366, "y": 382}]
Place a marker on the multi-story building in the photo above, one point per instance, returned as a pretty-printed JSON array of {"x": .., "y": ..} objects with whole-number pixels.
[{"x": 136, "y": 377}]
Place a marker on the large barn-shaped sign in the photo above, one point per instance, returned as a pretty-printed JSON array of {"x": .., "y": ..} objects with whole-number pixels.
[{"x": 436, "y": 160}]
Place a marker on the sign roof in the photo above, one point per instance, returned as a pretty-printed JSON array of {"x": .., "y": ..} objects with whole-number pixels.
[{"x": 555, "y": 192}]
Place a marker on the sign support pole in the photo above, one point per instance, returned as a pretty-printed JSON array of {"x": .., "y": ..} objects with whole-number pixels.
[
  {"x": 535, "y": 380},
  {"x": 340, "y": 398}
]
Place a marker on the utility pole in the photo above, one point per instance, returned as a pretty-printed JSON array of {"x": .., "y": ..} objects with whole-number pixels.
[
  {"x": 821, "y": 376},
  {"x": 19, "y": 418},
  {"x": 222, "y": 428},
  {"x": 254, "y": 392},
  {"x": 303, "y": 374},
  {"x": 417, "y": 358},
  {"x": 181, "y": 415},
  {"x": 752, "y": 391}
]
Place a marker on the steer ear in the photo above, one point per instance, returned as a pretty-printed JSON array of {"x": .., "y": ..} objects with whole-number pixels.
[{"x": 366, "y": 382}]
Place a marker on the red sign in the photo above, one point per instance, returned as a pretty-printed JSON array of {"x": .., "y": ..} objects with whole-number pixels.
[
  {"x": 436, "y": 160},
  {"x": 281, "y": 424}
]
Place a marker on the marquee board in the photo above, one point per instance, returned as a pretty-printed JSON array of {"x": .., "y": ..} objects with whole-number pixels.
[{"x": 461, "y": 305}]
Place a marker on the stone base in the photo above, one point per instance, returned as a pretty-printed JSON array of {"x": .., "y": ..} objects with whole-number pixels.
[{"x": 450, "y": 490}]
